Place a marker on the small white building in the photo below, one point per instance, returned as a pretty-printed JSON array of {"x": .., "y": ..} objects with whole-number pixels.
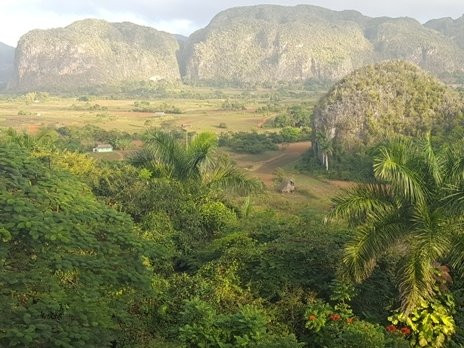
[
  {"x": 103, "y": 148},
  {"x": 160, "y": 114}
]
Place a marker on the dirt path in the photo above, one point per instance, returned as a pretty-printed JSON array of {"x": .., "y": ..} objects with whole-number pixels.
[
  {"x": 289, "y": 154},
  {"x": 264, "y": 168}
]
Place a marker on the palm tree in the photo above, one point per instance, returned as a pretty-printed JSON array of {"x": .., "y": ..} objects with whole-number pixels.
[
  {"x": 194, "y": 160},
  {"x": 324, "y": 143},
  {"x": 414, "y": 206}
]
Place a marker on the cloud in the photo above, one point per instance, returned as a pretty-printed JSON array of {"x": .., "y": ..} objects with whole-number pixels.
[{"x": 185, "y": 16}]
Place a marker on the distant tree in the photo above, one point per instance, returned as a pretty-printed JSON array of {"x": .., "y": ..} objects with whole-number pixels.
[{"x": 325, "y": 145}]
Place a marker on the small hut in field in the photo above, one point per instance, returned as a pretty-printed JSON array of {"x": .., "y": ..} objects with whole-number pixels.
[{"x": 287, "y": 186}]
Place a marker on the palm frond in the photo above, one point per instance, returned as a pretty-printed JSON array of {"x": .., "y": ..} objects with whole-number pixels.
[
  {"x": 434, "y": 164},
  {"x": 456, "y": 256},
  {"x": 199, "y": 151},
  {"x": 371, "y": 241},
  {"x": 416, "y": 279},
  {"x": 170, "y": 154},
  {"x": 431, "y": 243},
  {"x": 355, "y": 204},
  {"x": 395, "y": 165},
  {"x": 224, "y": 175}
]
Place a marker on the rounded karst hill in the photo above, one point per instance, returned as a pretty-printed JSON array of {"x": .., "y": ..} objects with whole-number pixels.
[
  {"x": 94, "y": 52},
  {"x": 379, "y": 101}
]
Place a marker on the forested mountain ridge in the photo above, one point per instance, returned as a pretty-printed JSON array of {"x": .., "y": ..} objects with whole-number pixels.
[
  {"x": 275, "y": 43},
  {"x": 264, "y": 44},
  {"x": 94, "y": 52},
  {"x": 7, "y": 54},
  {"x": 453, "y": 28}
]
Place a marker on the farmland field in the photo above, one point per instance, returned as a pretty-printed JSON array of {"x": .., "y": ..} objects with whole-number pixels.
[{"x": 204, "y": 113}]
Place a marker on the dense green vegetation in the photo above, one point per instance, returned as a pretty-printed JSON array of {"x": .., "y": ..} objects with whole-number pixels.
[
  {"x": 379, "y": 101},
  {"x": 253, "y": 142},
  {"x": 184, "y": 260},
  {"x": 173, "y": 245},
  {"x": 295, "y": 116}
]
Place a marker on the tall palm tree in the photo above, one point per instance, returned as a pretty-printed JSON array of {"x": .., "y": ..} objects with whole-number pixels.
[
  {"x": 325, "y": 145},
  {"x": 415, "y": 207},
  {"x": 193, "y": 160}
]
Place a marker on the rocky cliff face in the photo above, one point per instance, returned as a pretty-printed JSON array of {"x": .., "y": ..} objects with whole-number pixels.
[
  {"x": 7, "y": 55},
  {"x": 275, "y": 43},
  {"x": 94, "y": 52}
]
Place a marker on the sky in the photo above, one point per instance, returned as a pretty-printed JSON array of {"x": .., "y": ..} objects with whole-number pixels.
[{"x": 185, "y": 16}]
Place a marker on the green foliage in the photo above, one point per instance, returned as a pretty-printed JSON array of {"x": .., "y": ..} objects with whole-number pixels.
[
  {"x": 216, "y": 217},
  {"x": 145, "y": 106},
  {"x": 431, "y": 324},
  {"x": 246, "y": 328},
  {"x": 70, "y": 265},
  {"x": 256, "y": 143},
  {"x": 292, "y": 134},
  {"x": 83, "y": 139},
  {"x": 336, "y": 326},
  {"x": 233, "y": 105},
  {"x": 277, "y": 253},
  {"x": 194, "y": 162},
  {"x": 224, "y": 272},
  {"x": 26, "y": 113},
  {"x": 248, "y": 142},
  {"x": 359, "y": 334},
  {"x": 342, "y": 165},
  {"x": 298, "y": 116}
]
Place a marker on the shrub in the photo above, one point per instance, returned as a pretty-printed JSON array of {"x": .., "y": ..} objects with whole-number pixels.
[
  {"x": 216, "y": 216},
  {"x": 232, "y": 106},
  {"x": 359, "y": 334},
  {"x": 430, "y": 325},
  {"x": 204, "y": 327},
  {"x": 244, "y": 142}
]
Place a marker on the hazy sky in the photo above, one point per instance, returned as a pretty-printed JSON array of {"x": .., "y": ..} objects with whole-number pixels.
[{"x": 185, "y": 16}]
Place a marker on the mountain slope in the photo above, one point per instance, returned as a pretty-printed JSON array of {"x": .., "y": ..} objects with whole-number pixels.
[
  {"x": 452, "y": 28},
  {"x": 276, "y": 43},
  {"x": 7, "y": 55},
  {"x": 407, "y": 39},
  {"x": 379, "y": 101},
  {"x": 270, "y": 43},
  {"x": 94, "y": 52}
]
